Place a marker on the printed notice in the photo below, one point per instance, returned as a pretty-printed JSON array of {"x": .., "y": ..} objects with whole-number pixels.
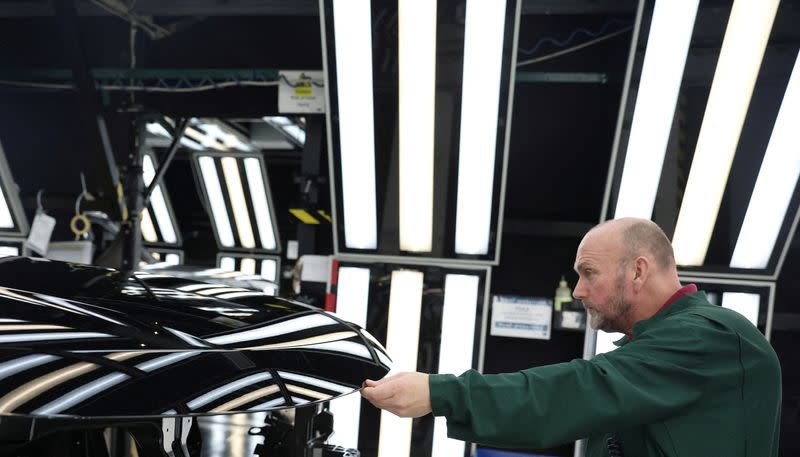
[
  {"x": 521, "y": 317},
  {"x": 301, "y": 92}
]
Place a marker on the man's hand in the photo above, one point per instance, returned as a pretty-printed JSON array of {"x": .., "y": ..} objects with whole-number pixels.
[{"x": 404, "y": 394}]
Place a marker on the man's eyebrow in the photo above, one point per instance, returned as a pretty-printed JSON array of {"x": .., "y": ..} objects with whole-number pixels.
[{"x": 582, "y": 266}]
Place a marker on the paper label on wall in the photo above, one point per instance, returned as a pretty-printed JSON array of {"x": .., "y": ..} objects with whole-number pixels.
[
  {"x": 521, "y": 317},
  {"x": 301, "y": 92},
  {"x": 41, "y": 231}
]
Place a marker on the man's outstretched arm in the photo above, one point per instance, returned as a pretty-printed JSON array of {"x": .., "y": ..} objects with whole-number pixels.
[{"x": 404, "y": 394}]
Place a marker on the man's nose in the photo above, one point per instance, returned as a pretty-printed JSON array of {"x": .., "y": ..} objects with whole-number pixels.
[{"x": 578, "y": 292}]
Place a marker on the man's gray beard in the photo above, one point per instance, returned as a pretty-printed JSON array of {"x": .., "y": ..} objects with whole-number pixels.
[{"x": 619, "y": 308}]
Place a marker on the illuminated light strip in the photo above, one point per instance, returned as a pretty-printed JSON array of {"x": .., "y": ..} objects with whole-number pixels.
[
  {"x": 457, "y": 343},
  {"x": 148, "y": 229},
  {"x": 21, "y": 364},
  {"x": 25, "y": 337},
  {"x": 227, "y": 389},
  {"x": 480, "y": 91},
  {"x": 218, "y": 290},
  {"x": 172, "y": 259},
  {"x": 258, "y": 194},
  {"x": 775, "y": 186},
  {"x": 307, "y": 392},
  {"x": 352, "y": 27},
  {"x": 6, "y": 221},
  {"x": 230, "y": 168},
  {"x": 248, "y": 266},
  {"x": 417, "y": 95},
  {"x": 746, "y": 304},
  {"x": 352, "y": 298},
  {"x": 227, "y": 263},
  {"x": 161, "y": 362},
  {"x": 76, "y": 309},
  {"x": 158, "y": 202},
  {"x": 15, "y": 327},
  {"x": 269, "y": 269},
  {"x": 657, "y": 95},
  {"x": 296, "y": 324},
  {"x": 269, "y": 404},
  {"x": 605, "y": 342},
  {"x": 344, "y": 347},
  {"x": 321, "y": 383},
  {"x": 328, "y": 337},
  {"x": 9, "y": 251},
  {"x": 218, "y": 211},
  {"x": 245, "y": 399},
  {"x": 196, "y": 287},
  {"x": 402, "y": 340},
  {"x": 737, "y": 69},
  {"x": 299, "y": 401},
  {"x": 82, "y": 393},
  {"x": 24, "y": 393}
]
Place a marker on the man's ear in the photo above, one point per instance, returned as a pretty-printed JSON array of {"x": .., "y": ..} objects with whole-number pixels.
[{"x": 641, "y": 271}]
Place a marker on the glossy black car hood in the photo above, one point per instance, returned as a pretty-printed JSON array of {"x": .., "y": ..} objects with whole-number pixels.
[{"x": 80, "y": 341}]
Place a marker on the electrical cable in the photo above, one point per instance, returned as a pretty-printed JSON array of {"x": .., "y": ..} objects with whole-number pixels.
[
  {"x": 573, "y": 48},
  {"x": 572, "y": 36},
  {"x": 206, "y": 87}
]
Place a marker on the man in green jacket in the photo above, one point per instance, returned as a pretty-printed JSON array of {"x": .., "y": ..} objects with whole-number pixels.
[{"x": 689, "y": 379}]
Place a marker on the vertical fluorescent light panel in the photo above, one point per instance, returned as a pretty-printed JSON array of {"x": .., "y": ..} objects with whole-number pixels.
[
  {"x": 258, "y": 193},
  {"x": 662, "y": 72},
  {"x": 402, "y": 341},
  {"x": 775, "y": 185},
  {"x": 417, "y": 67},
  {"x": 456, "y": 347},
  {"x": 743, "y": 303},
  {"x": 269, "y": 269},
  {"x": 743, "y": 47},
  {"x": 480, "y": 91},
  {"x": 352, "y": 296},
  {"x": 248, "y": 266},
  {"x": 227, "y": 264},
  {"x": 230, "y": 168},
  {"x": 148, "y": 229},
  {"x": 218, "y": 211},
  {"x": 6, "y": 251},
  {"x": 352, "y": 26},
  {"x": 158, "y": 202},
  {"x": 605, "y": 342},
  {"x": 5, "y": 215},
  {"x": 172, "y": 259}
]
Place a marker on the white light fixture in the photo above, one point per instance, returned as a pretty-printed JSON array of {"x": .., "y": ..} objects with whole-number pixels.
[
  {"x": 662, "y": 71},
  {"x": 8, "y": 251},
  {"x": 352, "y": 297},
  {"x": 247, "y": 265},
  {"x": 269, "y": 269},
  {"x": 172, "y": 259},
  {"x": 740, "y": 58},
  {"x": 261, "y": 207},
  {"x": 148, "y": 229},
  {"x": 402, "y": 341},
  {"x": 480, "y": 91},
  {"x": 417, "y": 93},
  {"x": 219, "y": 213},
  {"x": 227, "y": 264},
  {"x": 775, "y": 184},
  {"x": 456, "y": 347},
  {"x": 743, "y": 303},
  {"x": 233, "y": 181},
  {"x": 158, "y": 203},
  {"x": 605, "y": 342},
  {"x": 352, "y": 26},
  {"x": 6, "y": 221}
]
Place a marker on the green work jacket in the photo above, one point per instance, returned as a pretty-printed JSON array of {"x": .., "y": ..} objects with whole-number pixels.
[{"x": 696, "y": 380}]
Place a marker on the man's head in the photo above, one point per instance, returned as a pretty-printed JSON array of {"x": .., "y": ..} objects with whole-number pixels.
[{"x": 625, "y": 266}]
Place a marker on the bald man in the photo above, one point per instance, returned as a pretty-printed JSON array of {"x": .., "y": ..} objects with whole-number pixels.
[{"x": 689, "y": 379}]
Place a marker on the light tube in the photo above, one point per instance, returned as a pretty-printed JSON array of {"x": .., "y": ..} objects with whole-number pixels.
[
  {"x": 605, "y": 342},
  {"x": 775, "y": 185},
  {"x": 296, "y": 324},
  {"x": 480, "y": 91},
  {"x": 457, "y": 344},
  {"x": 258, "y": 194},
  {"x": 737, "y": 69},
  {"x": 220, "y": 392},
  {"x": 660, "y": 81},
  {"x": 158, "y": 202},
  {"x": 417, "y": 93},
  {"x": 248, "y": 266},
  {"x": 8, "y": 251},
  {"x": 352, "y": 298},
  {"x": 6, "y": 221},
  {"x": 240, "y": 214},
  {"x": 148, "y": 229},
  {"x": 743, "y": 303},
  {"x": 402, "y": 341},
  {"x": 353, "y": 42},
  {"x": 269, "y": 269},
  {"x": 227, "y": 263},
  {"x": 218, "y": 211},
  {"x": 172, "y": 259}
]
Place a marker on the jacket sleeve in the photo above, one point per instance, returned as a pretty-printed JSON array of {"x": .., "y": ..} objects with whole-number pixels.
[{"x": 644, "y": 381}]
